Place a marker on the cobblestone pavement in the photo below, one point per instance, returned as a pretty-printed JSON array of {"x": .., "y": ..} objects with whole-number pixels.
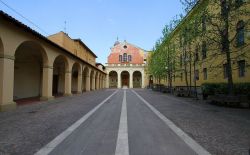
[
  {"x": 221, "y": 130},
  {"x": 28, "y": 128}
]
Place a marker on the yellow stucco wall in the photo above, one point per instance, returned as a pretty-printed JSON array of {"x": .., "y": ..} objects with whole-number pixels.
[
  {"x": 215, "y": 58},
  {"x": 73, "y": 46}
]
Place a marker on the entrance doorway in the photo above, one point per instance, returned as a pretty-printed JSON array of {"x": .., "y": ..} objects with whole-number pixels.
[{"x": 125, "y": 79}]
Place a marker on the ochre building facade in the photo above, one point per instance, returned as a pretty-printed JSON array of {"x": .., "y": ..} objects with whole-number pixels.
[{"x": 33, "y": 66}]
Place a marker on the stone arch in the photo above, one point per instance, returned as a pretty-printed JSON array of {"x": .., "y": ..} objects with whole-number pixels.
[
  {"x": 60, "y": 68},
  {"x": 76, "y": 71},
  {"x": 85, "y": 76},
  {"x": 30, "y": 57},
  {"x": 113, "y": 79},
  {"x": 137, "y": 79},
  {"x": 125, "y": 79}
]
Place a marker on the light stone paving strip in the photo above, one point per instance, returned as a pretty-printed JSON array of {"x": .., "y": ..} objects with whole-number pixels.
[
  {"x": 122, "y": 147},
  {"x": 188, "y": 140},
  {"x": 54, "y": 143}
]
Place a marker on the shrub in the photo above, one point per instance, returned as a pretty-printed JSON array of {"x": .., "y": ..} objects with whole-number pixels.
[{"x": 221, "y": 88}]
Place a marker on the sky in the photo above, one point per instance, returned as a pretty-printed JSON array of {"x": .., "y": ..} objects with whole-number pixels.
[{"x": 98, "y": 23}]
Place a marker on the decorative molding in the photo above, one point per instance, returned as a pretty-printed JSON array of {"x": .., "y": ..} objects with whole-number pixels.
[
  {"x": 5, "y": 56},
  {"x": 49, "y": 67}
]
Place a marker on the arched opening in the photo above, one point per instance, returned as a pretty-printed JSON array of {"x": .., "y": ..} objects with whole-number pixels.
[
  {"x": 85, "y": 73},
  {"x": 137, "y": 79},
  {"x": 101, "y": 77},
  {"x": 125, "y": 79},
  {"x": 150, "y": 82},
  {"x": 113, "y": 79},
  {"x": 1, "y": 46},
  {"x": 91, "y": 80},
  {"x": 30, "y": 57},
  {"x": 60, "y": 66},
  {"x": 97, "y": 81},
  {"x": 76, "y": 69}
]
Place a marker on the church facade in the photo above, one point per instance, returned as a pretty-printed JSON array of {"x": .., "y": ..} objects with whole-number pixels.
[{"x": 126, "y": 66}]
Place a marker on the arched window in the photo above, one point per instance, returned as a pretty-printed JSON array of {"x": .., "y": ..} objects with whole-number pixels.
[
  {"x": 125, "y": 58},
  {"x": 129, "y": 58},
  {"x": 240, "y": 33},
  {"x": 120, "y": 58}
]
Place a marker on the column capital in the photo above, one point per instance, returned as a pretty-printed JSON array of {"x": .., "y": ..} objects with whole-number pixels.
[
  {"x": 47, "y": 66},
  {"x": 5, "y": 56}
]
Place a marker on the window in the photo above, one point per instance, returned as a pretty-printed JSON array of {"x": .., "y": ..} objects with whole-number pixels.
[
  {"x": 129, "y": 58},
  {"x": 196, "y": 74},
  {"x": 241, "y": 66},
  {"x": 196, "y": 54},
  {"x": 120, "y": 58},
  {"x": 196, "y": 27},
  {"x": 205, "y": 73},
  {"x": 223, "y": 5},
  {"x": 204, "y": 19},
  {"x": 180, "y": 60},
  {"x": 125, "y": 58},
  {"x": 180, "y": 39},
  {"x": 238, "y": 3},
  {"x": 225, "y": 70},
  {"x": 204, "y": 50},
  {"x": 224, "y": 43},
  {"x": 240, "y": 33}
]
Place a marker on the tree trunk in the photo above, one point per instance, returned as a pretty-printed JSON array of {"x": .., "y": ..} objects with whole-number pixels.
[
  {"x": 185, "y": 68},
  {"x": 190, "y": 72},
  {"x": 225, "y": 17}
]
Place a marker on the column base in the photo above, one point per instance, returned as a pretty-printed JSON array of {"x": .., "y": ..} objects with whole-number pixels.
[
  {"x": 68, "y": 94},
  {"x": 45, "y": 98},
  {"x": 79, "y": 92},
  {"x": 8, "y": 107}
]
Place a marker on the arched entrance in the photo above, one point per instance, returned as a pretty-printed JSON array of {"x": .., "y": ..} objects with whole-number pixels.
[
  {"x": 60, "y": 66},
  {"x": 76, "y": 70},
  {"x": 30, "y": 58},
  {"x": 113, "y": 79},
  {"x": 85, "y": 74},
  {"x": 125, "y": 79},
  {"x": 137, "y": 79}
]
